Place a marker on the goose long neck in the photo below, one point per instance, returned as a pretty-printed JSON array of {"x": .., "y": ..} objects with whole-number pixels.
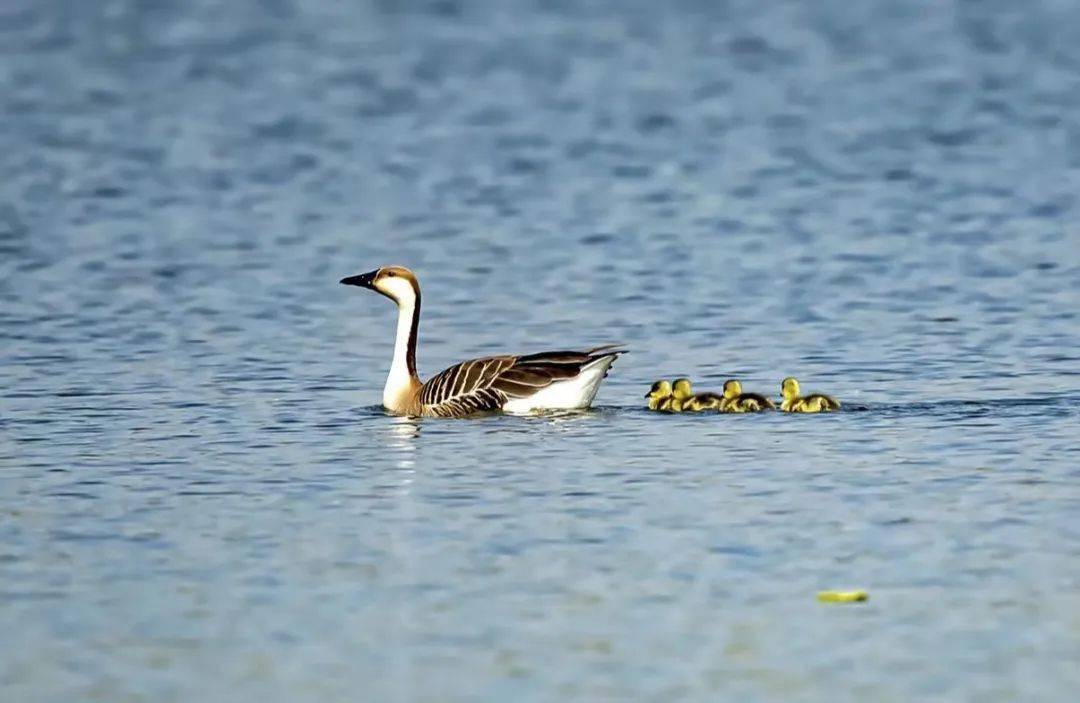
[{"x": 404, "y": 366}]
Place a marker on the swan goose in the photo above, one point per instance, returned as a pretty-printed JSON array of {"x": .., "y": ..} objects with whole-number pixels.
[{"x": 558, "y": 380}]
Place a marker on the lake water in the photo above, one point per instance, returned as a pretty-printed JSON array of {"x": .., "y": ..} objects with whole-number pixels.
[{"x": 201, "y": 499}]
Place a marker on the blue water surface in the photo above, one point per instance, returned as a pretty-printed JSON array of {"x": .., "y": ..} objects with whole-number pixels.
[{"x": 201, "y": 500}]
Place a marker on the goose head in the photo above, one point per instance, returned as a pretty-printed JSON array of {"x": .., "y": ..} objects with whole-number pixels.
[
  {"x": 659, "y": 391},
  {"x": 395, "y": 282},
  {"x": 732, "y": 389},
  {"x": 682, "y": 389},
  {"x": 789, "y": 388}
]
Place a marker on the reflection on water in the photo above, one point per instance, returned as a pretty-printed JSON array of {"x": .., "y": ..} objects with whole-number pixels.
[
  {"x": 401, "y": 436},
  {"x": 199, "y": 500}
]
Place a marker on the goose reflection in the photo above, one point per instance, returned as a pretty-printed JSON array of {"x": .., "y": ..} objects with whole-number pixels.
[
  {"x": 401, "y": 435},
  {"x": 559, "y": 420}
]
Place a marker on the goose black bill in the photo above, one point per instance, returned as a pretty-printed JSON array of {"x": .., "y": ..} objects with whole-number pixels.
[{"x": 364, "y": 280}]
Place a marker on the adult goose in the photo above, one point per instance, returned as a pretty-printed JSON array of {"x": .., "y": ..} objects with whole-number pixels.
[{"x": 559, "y": 380}]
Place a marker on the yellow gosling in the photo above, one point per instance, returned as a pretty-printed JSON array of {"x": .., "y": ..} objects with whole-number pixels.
[
  {"x": 703, "y": 402},
  {"x": 813, "y": 403},
  {"x": 684, "y": 399},
  {"x": 735, "y": 401},
  {"x": 659, "y": 396},
  {"x": 842, "y": 596},
  {"x": 681, "y": 393}
]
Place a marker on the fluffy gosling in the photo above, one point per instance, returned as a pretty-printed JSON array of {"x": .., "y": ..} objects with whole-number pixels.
[
  {"x": 735, "y": 401},
  {"x": 681, "y": 393},
  {"x": 813, "y": 403},
  {"x": 703, "y": 402},
  {"x": 659, "y": 396},
  {"x": 686, "y": 400}
]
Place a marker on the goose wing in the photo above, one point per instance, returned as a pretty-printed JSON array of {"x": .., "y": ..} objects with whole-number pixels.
[{"x": 487, "y": 384}]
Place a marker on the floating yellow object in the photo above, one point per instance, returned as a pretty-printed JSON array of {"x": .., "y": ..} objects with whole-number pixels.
[{"x": 842, "y": 596}]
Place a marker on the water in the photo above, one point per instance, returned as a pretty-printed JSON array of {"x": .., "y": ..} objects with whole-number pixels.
[{"x": 200, "y": 498}]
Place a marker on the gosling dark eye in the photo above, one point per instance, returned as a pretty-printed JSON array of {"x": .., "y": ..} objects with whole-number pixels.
[{"x": 391, "y": 274}]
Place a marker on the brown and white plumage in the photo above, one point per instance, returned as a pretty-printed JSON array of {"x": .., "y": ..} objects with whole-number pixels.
[{"x": 546, "y": 381}]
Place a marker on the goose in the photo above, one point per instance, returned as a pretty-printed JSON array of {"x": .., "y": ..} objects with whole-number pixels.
[
  {"x": 681, "y": 392},
  {"x": 735, "y": 401},
  {"x": 688, "y": 401},
  {"x": 814, "y": 403},
  {"x": 659, "y": 395},
  {"x": 557, "y": 380},
  {"x": 700, "y": 402}
]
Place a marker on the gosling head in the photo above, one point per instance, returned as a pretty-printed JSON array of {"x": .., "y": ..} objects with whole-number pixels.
[
  {"x": 659, "y": 390},
  {"x": 789, "y": 388},
  {"x": 395, "y": 282},
  {"x": 732, "y": 389},
  {"x": 682, "y": 389}
]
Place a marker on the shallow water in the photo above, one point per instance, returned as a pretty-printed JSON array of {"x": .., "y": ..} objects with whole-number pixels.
[{"x": 201, "y": 500}]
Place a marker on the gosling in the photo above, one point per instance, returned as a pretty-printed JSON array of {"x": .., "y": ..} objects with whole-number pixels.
[
  {"x": 681, "y": 393},
  {"x": 659, "y": 396},
  {"x": 814, "y": 403},
  {"x": 686, "y": 400},
  {"x": 735, "y": 401}
]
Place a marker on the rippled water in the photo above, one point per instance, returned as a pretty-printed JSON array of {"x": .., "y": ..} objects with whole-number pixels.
[{"x": 200, "y": 498}]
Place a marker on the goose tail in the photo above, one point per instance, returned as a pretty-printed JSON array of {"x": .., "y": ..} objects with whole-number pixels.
[
  {"x": 608, "y": 350},
  {"x": 605, "y": 356}
]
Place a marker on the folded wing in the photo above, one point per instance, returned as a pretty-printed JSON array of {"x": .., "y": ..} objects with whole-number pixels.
[{"x": 487, "y": 384}]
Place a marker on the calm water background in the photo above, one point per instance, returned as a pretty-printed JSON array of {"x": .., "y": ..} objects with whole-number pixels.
[{"x": 200, "y": 498}]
